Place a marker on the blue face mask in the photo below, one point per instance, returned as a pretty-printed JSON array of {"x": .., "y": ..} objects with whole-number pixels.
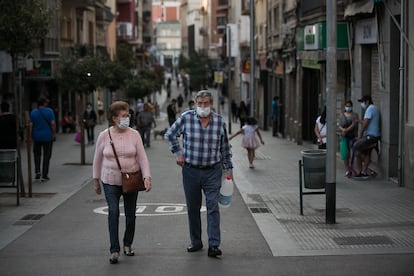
[
  {"x": 363, "y": 105},
  {"x": 348, "y": 108}
]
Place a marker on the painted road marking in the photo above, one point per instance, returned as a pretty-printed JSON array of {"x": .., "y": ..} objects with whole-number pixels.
[{"x": 152, "y": 209}]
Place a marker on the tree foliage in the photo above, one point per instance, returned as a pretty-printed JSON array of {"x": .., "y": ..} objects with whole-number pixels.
[
  {"x": 85, "y": 74},
  {"x": 197, "y": 66},
  {"x": 142, "y": 85},
  {"x": 23, "y": 24}
]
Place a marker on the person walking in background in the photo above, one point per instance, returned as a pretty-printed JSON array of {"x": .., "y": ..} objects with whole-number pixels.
[
  {"x": 168, "y": 88},
  {"x": 132, "y": 157},
  {"x": 8, "y": 123},
  {"x": 275, "y": 116},
  {"x": 145, "y": 120},
  {"x": 101, "y": 111},
  {"x": 190, "y": 106},
  {"x": 249, "y": 141},
  {"x": 172, "y": 111},
  {"x": 43, "y": 130},
  {"x": 234, "y": 111},
  {"x": 180, "y": 102},
  {"x": 243, "y": 113},
  {"x": 140, "y": 106},
  {"x": 89, "y": 119},
  {"x": 204, "y": 154},
  {"x": 369, "y": 135},
  {"x": 320, "y": 130},
  {"x": 348, "y": 127}
]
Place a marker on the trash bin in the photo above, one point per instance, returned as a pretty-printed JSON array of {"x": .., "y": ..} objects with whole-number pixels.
[{"x": 314, "y": 167}]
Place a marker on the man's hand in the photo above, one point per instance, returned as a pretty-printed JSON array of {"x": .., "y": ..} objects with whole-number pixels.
[
  {"x": 229, "y": 175},
  {"x": 180, "y": 160}
]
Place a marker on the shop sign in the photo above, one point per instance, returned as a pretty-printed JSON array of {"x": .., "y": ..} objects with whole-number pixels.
[
  {"x": 41, "y": 68},
  {"x": 311, "y": 37},
  {"x": 366, "y": 31}
]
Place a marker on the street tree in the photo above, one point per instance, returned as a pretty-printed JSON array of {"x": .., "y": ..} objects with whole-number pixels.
[
  {"x": 23, "y": 25},
  {"x": 142, "y": 85},
  {"x": 83, "y": 75},
  {"x": 197, "y": 66}
]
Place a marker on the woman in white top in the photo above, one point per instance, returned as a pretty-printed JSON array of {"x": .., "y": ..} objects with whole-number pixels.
[{"x": 320, "y": 130}]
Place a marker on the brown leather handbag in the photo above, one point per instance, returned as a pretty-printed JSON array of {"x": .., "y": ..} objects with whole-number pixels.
[{"x": 131, "y": 181}]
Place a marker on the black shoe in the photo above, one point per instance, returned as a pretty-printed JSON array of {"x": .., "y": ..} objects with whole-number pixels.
[
  {"x": 361, "y": 175},
  {"x": 45, "y": 178},
  {"x": 194, "y": 248},
  {"x": 128, "y": 251},
  {"x": 113, "y": 259},
  {"x": 214, "y": 251},
  {"x": 37, "y": 176}
]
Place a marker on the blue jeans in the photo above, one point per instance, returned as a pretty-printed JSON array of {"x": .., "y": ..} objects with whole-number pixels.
[
  {"x": 146, "y": 135},
  {"x": 113, "y": 194},
  {"x": 209, "y": 181}
]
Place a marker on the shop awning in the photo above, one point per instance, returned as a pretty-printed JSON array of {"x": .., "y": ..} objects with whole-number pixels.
[{"x": 360, "y": 7}]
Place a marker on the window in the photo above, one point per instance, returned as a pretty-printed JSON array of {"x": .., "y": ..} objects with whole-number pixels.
[{"x": 221, "y": 21}]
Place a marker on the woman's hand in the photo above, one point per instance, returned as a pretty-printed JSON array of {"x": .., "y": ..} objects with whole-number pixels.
[
  {"x": 97, "y": 186},
  {"x": 147, "y": 184}
]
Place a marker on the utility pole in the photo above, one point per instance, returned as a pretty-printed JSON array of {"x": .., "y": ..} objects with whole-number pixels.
[
  {"x": 252, "y": 66},
  {"x": 331, "y": 82},
  {"x": 229, "y": 76}
]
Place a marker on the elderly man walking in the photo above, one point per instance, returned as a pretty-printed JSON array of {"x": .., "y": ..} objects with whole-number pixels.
[{"x": 204, "y": 155}]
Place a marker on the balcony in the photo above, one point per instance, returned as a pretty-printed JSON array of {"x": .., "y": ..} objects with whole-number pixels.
[
  {"x": 104, "y": 14},
  {"x": 124, "y": 30}
]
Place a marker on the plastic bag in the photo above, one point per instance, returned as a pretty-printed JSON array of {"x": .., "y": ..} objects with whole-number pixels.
[
  {"x": 343, "y": 148},
  {"x": 78, "y": 137}
]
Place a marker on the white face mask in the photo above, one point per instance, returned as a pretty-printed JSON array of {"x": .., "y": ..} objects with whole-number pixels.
[
  {"x": 203, "y": 112},
  {"x": 123, "y": 123}
]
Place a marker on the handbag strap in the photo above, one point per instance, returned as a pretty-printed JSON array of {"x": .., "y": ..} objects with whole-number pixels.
[
  {"x": 113, "y": 148},
  {"x": 45, "y": 119}
]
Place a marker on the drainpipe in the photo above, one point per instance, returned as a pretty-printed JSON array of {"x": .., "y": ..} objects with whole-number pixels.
[{"x": 401, "y": 103}]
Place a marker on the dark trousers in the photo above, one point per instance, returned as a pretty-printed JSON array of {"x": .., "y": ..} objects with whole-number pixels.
[
  {"x": 275, "y": 126},
  {"x": 47, "y": 154},
  {"x": 90, "y": 131},
  {"x": 146, "y": 135}
]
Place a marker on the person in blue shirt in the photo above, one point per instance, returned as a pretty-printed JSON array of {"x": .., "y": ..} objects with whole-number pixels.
[
  {"x": 368, "y": 137},
  {"x": 43, "y": 130},
  {"x": 204, "y": 154},
  {"x": 275, "y": 116}
]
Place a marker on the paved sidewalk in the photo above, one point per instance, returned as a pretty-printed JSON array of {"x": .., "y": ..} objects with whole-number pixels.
[{"x": 373, "y": 216}]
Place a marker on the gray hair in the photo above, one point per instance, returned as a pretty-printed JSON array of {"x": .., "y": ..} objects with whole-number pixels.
[{"x": 203, "y": 94}]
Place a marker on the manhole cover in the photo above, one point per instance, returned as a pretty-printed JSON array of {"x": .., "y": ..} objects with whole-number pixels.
[{"x": 362, "y": 240}]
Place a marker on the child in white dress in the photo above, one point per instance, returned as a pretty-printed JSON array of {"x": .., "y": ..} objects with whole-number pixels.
[{"x": 250, "y": 141}]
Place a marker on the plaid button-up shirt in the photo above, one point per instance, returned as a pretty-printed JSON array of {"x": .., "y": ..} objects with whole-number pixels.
[{"x": 202, "y": 146}]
